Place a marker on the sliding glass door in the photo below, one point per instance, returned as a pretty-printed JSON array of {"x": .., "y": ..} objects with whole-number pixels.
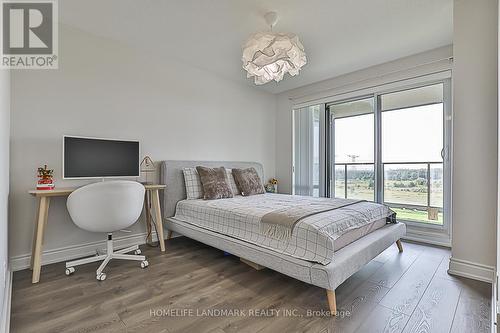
[
  {"x": 412, "y": 127},
  {"x": 390, "y": 147}
]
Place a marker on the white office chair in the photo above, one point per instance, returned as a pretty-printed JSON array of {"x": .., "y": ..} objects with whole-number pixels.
[{"x": 107, "y": 207}]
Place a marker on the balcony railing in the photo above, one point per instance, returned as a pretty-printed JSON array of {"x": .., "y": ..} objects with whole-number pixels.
[
  {"x": 419, "y": 189},
  {"x": 345, "y": 165}
]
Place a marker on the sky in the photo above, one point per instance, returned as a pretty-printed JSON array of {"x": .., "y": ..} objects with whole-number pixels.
[{"x": 408, "y": 135}]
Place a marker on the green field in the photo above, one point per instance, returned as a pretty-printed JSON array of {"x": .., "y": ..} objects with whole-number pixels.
[
  {"x": 416, "y": 215},
  {"x": 397, "y": 192}
]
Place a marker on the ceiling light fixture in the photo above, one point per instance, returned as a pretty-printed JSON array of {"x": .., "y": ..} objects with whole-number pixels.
[{"x": 270, "y": 55}]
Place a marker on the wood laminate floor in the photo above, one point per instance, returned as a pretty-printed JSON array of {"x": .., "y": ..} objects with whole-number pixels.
[{"x": 194, "y": 288}]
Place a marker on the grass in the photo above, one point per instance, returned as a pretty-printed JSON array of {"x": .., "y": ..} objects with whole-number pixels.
[
  {"x": 359, "y": 189},
  {"x": 416, "y": 215}
]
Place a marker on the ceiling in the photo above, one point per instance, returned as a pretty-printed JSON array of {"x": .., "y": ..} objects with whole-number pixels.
[{"x": 339, "y": 36}]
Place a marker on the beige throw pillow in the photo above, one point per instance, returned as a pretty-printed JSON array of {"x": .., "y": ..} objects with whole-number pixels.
[
  {"x": 232, "y": 183},
  {"x": 194, "y": 189}
]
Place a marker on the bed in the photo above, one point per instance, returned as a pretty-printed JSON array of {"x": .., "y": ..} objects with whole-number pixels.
[{"x": 313, "y": 253}]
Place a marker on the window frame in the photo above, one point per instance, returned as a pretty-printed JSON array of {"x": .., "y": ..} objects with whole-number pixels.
[
  {"x": 330, "y": 183},
  {"x": 420, "y": 231},
  {"x": 296, "y": 127},
  {"x": 414, "y": 226}
]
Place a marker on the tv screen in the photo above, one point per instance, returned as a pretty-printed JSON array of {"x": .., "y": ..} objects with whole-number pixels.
[{"x": 99, "y": 158}]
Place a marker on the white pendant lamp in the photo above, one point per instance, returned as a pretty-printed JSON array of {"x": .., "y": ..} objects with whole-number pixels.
[{"x": 270, "y": 55}]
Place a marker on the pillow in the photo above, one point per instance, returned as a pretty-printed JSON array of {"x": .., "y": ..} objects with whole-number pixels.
[
  {"x": 232, "y": 183},
  {"x": 215, "y": 183},
  {"x": 194, "y": 189},
  {"x": 248, "y": 181}
]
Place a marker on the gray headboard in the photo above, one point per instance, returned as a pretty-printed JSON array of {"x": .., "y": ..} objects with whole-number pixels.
[{"x": 172, "y": 176}]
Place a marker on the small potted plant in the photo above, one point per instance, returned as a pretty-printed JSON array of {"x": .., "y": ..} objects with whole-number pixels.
[
  {"x": 272, "y": 186},
  {"x": 45, "y": 179}
]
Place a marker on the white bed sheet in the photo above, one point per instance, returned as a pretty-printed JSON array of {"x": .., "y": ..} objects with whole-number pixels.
[{"x": 314, "y": 238}]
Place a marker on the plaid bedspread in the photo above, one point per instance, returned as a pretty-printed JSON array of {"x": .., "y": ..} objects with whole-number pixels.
[{"x": 312, "y": 238}]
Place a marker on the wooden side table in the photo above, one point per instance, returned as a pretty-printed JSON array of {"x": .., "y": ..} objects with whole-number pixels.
[{"x": 44, "y": 197}]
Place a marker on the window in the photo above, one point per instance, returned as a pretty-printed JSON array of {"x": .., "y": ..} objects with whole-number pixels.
[
  {"x": 389, "y": 147},
  {"x": 306, "y": 179},
  {"x": 412, "y": 144},
  {"x": 353, "y": 158}
]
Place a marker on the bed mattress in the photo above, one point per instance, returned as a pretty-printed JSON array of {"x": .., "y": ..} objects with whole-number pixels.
[{"x": 313, "y": 238}]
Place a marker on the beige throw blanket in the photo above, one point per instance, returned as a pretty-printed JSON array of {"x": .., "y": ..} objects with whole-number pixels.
[{"x": 279, "y": 223}]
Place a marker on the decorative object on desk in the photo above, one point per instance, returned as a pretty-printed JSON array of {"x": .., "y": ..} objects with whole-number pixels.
[
  {"x": 147, "y": 166},
  {"x": 45, "y": 178},
  {"x": 272, "y": 186}
]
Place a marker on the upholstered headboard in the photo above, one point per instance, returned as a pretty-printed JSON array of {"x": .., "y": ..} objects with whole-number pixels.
[{"x": 172, "y": 176}]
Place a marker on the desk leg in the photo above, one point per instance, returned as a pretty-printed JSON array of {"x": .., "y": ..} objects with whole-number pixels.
[
  {"x": 43, "y": 212},
  {"x": 147, "y": 210},
  {"x": 159, "y": 222},
  {"x": 35, "y": 231}
]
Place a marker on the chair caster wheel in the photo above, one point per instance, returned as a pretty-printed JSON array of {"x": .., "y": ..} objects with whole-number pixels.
[
  {"x": 144, "y": 264},
  {"x": 101, "y": 277},
  {"x": 137, "y": 252},
  {"x": 70, "y": 270}
]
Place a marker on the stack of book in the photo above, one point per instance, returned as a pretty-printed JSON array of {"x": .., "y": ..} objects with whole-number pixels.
[{"x": 45, "y": 184}]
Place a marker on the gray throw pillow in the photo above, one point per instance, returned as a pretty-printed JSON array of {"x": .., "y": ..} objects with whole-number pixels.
[
  {"x": 248, "y": 181},
  {"x": 215, "y": 183}
]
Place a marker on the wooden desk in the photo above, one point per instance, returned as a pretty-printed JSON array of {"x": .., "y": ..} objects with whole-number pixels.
[{"x": 44, "y": 197}]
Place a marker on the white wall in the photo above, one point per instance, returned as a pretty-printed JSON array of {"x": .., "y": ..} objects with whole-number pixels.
[
  {"x": 105, "y": 89},
  {"x": 4, "y": 183},
  {"x": 475, "y": 137}
]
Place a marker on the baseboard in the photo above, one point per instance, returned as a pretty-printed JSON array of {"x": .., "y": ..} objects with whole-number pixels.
[
  {"x": 5, "y": 315},
  {"x": 425, "y": 240},
  {"x": 76, "y": 251},
  {"x": 434, "y": 237},
  {"x": 471, "y": 270}
]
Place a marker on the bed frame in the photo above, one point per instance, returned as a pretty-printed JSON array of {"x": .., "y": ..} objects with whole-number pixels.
[{"x": 346, "y": 261}]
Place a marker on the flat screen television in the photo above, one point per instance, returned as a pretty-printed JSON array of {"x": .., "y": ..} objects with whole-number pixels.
[{"x": 85, "y": 157}]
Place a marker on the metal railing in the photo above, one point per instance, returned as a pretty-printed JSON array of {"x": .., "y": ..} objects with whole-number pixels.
[
  {"x": 345, "y": 173},
  {"x": 426, "y": 165}
]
